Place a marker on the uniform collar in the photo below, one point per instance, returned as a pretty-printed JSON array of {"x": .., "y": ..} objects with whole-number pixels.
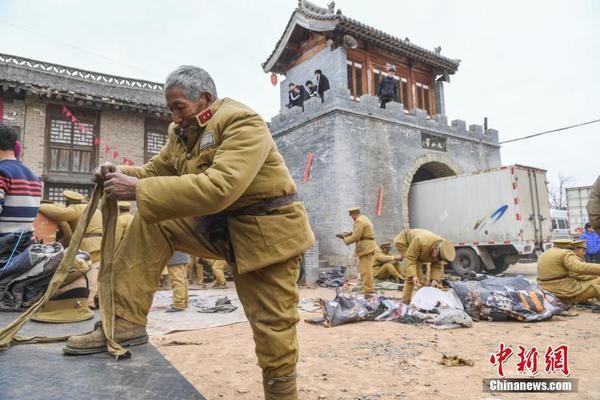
[{"x": 205, "y": 115}]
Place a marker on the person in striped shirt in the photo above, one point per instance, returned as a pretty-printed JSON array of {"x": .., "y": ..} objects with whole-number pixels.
[{"x": 20, "y": 189}]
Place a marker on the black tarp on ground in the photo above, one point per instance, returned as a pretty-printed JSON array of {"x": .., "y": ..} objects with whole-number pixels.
[{"x": 42, "y": 372}]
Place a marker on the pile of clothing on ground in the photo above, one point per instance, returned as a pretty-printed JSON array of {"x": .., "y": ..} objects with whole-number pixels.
[
  {"x": 332, "y": 278},
  {"x": 488, "y": 298},
  {"x": 26, "y": 268}
]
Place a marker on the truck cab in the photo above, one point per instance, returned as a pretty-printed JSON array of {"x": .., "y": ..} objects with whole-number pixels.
[{"x": 560, "y": 224}]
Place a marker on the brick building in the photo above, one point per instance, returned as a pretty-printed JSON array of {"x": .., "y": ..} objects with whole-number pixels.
[
  {"x": 361, "y": 152},
  {"x": 70, "y": 120}
]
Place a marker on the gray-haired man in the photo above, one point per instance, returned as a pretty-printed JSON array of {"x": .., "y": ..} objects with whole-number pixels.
[{"x": 218, "y": 189}]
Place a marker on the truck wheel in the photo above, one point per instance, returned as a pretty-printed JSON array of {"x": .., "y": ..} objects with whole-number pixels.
[
  {"x": 466, "y": 261},
  {"x": 500, "y": 265}
]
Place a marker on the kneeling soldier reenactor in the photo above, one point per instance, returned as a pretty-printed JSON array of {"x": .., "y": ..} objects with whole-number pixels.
[
  {"x": 218, "y": 189},
  {"x": 418, "y": 247},
  {"x": 386, "y": 264},
  {"x": 562, "y": 272}
]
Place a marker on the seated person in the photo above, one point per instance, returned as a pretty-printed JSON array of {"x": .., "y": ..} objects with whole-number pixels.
[
  {"x": 296, "y": 95},
  {"x": 386, "y": 264},
  {"x": 562, "y": 272},
  {"x": 20, "y": 189},
  {"x": 312, "y": 89}
]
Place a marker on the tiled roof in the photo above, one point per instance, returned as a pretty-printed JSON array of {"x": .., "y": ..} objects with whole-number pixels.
[
  {"x": 49, "y": 79},
  {"x": 309, "y": 14}
]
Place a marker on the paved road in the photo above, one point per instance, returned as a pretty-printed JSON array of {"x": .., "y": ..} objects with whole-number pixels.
[{"x": 529, "y": 270}]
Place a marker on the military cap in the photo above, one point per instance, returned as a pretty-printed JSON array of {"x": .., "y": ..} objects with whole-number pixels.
[
  {"x": 124, "y": 205},
  {"x": 580, "y": 243},
  {"x": 73, "y": 196},
  {"x": 386, "y": 244},
  {"x": 353, "y": 209},
  {"x": 447, "y": 251},
  {"x": 70, "y": 306},
  {"x": 563, "y": 243}
]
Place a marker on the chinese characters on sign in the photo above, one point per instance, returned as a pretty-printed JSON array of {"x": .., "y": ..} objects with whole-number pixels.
[
  {"x": 555, "y": 359},
  {"x": 433, "y": 142}
]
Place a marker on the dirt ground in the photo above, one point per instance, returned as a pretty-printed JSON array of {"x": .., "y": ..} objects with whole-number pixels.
[{"x": 386, "y": 360}]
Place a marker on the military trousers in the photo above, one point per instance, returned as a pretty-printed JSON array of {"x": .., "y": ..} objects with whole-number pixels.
[
  {"x": 218, "y": 270},
  {"x": 269, "y": 295},
  {"x": 92, "y": 276},
  {"x": 179, "y": 285},
  {"x": 592, "y": 291},
  {"x": 435, "y": 274},
  {"x": 385, "y": 271},
  {"x": 365, "y": 267}
]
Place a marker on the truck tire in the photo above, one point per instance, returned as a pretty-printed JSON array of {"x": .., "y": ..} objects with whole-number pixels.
[
  {"x": 466, "y": 261},
  {"x": 500, "y": 265}
]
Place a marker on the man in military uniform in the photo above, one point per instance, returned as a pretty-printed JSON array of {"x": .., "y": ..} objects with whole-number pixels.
[
  {"x": 218, "y": 189},
  {"x": 218, "y": 270},
  {"x": 562, "y": 272},
  {"x": 68, "y": 217},
  {"x": 177, "y": 269},
  {"x": 418, "y": 247},
  {"x": 123, "y": 221},
  {"x": 593, "y": 206},
  {"x": 386, "y": 265},
  {"x": 363, "y": 235}
]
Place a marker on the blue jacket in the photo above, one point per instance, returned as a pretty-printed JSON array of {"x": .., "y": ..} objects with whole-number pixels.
[{"x": 593, "y": 242}]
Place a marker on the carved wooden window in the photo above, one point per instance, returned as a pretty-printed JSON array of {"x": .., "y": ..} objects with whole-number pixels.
[
  {"x": 355, "y": 80},
  {"x": 156, "y": 134},
  {"x": 423, "y": 97},
  {"x": 71, "y": 149},
  {"x": 54, "y": 191}
]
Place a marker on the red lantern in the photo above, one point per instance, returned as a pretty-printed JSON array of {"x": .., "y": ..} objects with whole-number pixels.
[{"x": 273, "y": 78}]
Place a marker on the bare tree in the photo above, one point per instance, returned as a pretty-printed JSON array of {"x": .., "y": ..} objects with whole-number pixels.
[{"x": 558, "y": 196}]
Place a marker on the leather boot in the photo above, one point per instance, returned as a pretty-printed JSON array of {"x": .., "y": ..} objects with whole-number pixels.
[
  {"x": 126, "y": 334},
  {"x": 282, "y": 388}
]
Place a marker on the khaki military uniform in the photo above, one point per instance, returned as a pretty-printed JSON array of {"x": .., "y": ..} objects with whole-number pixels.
[
  {"x": 123, "y": 222},
  {"x": 228, "y": 160},
  {"x": 415, "y": 246},
  {"x": 593, "y": 206},
  {"x": 363, "y": 234},
  {"x": 569, "y": 278},
  {"x": 218, "y": 269},
  {"x": 92, "y": 239},
  {"x": 385, "y": 266}
]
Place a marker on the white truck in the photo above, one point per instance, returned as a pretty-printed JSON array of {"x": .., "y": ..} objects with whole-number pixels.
[
  {"x": 577, "y": 198},
  {"x": 493, "y": 217}
]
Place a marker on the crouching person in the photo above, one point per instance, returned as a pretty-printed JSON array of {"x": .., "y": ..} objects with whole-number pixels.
[
  {"x": 418, "y": 247},
  {"x": 218, "y": 189},
  {"x": 386, "y": 264}
]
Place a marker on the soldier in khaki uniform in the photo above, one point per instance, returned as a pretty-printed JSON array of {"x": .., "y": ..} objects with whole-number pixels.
[
  {"x": 68, "y": 217},
  {"x": 363, "y": 234},
  {"x": 420, "y": 246},
  {"x": 177, "y": 269},
  {"x": 218, "y": 270},
  {"x": 386, "y": 265},
  {"x": 562, "y": 272},
  {"x": 593, "y": 206},
  {"x": 123, "y": 221},
  {"x": 218, "y": 189}
]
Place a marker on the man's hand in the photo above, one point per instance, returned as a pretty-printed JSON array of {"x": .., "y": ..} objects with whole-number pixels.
[
  {"x": 118, "y": 186},
  {"x": 416, "y": 281},
  {"x": 398, "y": 258},
  {"x": 435, "y": 284},
  {"x": 100, "y": 175}
]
